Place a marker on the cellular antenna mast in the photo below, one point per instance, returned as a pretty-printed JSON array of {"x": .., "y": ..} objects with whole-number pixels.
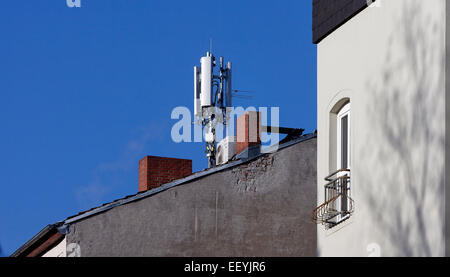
[{"x": 212, "y": 97}]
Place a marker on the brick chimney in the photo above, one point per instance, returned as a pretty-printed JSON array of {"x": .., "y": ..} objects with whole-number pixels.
[
  {"x": 156, "y": 171},
  {"x": 248, "y": 130}
]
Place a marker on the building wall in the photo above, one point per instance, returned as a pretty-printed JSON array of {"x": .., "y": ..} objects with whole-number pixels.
[
  {"x": 390, "y": 62},
  {"x": 261, "y": 208}
]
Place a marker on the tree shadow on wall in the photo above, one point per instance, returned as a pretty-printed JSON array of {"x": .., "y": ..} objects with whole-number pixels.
[{"x": 406, "y": 203}]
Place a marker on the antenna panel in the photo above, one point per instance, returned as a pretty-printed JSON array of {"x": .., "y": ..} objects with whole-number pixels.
[
  {"x": 197, "y": 102},
  {"x": 206, "y": 81}
]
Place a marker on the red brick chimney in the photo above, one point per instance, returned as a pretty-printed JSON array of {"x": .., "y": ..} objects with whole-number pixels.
[
  {"x": 248, "y": 130},
  {"x": 156, "y": 171}
]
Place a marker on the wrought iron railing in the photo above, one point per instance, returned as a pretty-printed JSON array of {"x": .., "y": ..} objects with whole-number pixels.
[{"x": 338, "y": 204}]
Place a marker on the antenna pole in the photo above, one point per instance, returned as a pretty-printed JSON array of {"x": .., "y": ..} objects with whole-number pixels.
[{"x": 208, "y": 112}]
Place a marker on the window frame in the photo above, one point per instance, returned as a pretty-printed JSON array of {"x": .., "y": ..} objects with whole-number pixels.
[{"x": 344, "y": 112}]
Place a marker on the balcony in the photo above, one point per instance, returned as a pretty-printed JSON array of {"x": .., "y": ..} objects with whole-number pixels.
[{"x": 338, "y": 204}]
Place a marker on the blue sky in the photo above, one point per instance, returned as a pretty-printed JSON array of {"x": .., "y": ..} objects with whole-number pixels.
[{"x": 86, "y": 92}]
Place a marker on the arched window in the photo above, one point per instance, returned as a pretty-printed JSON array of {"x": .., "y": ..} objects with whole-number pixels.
[{"x": 338, "y": 205}]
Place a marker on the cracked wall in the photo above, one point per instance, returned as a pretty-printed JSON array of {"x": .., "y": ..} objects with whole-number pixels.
[{"x": 261, "y": 208}]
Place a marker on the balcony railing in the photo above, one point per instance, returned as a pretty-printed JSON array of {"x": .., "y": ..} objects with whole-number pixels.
[{"x": 338, "y": 204}]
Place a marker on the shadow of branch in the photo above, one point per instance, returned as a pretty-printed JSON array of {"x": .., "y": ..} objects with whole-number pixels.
[{"x": 405, "y": 139}]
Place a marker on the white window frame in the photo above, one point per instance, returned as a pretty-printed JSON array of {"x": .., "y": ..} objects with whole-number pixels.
[{"x": 343, "y": 112}]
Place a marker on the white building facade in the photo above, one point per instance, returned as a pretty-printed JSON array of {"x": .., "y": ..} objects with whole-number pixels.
[{"x": 382, "y": 123}]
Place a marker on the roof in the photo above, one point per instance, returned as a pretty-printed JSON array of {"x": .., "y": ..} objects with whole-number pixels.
[
  {"x": 328, "y": 15},
  {"x": 247, "y": 155},
  {"x": 40, "y": 243}
]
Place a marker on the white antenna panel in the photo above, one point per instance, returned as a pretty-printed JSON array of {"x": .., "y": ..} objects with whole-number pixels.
[
  {"x": 197, "y": 102},
  {"x": 206, "y": 81}
]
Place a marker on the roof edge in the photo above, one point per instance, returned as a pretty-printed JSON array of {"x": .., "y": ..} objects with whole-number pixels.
[
  {"x": 62, "y": 227},
  {"x": 326, "y": 24},
  {"x": 41, "y": 242},
  {"x": 195, "y": 176}
]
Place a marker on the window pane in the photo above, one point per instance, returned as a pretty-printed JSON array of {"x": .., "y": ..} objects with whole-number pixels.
[{"x": 344, "y": 142}]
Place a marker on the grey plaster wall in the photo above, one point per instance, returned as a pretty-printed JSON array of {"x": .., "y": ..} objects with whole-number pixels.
[{"x": 261, "y": 208}]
